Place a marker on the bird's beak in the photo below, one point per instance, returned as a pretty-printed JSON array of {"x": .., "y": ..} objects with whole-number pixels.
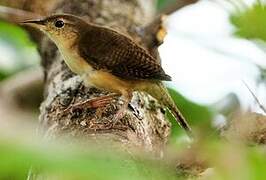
[{"x": 39, "y": 24}]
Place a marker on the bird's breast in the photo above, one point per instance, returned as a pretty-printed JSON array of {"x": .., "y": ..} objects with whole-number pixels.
[{"x": 75, "y": 63}]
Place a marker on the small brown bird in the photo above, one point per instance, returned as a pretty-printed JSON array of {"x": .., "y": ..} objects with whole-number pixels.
[{"x": 108, "y": 60}]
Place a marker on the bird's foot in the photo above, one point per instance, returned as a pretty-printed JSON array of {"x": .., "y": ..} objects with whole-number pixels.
[
  {"x": 121, "y": 112},
  {"x": 117, "y": 117},
  {"x": 97, "y": 102}
]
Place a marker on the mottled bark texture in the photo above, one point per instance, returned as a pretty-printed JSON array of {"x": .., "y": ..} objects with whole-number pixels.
[{"x": 144, "y": 124}]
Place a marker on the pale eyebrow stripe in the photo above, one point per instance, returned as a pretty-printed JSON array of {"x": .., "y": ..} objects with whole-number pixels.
[{"x": 67, "y": 22}]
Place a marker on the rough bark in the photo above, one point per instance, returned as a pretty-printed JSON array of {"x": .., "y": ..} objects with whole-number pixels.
[{"x": 144, "y": 125}]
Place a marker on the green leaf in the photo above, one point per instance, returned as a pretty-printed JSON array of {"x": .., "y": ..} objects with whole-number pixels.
[{"x": 250, "y": 21}]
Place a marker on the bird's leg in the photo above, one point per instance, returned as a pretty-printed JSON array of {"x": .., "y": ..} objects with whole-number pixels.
[
  {"x": 127, "y": 96},
  {"x": 96, "y": 102}
]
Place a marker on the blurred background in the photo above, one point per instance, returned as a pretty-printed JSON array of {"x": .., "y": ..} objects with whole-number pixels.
[{"x": 214, "y": 51}]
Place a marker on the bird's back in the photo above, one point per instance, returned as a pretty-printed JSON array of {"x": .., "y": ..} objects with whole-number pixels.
[{"x": 109, "y": 50}]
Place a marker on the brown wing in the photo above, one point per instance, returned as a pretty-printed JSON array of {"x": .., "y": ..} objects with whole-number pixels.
[{"x": 106, "y": 49}]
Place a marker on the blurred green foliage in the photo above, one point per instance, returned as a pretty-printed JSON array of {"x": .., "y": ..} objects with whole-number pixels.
[
  {"x": 15, "y": 35},
  {"x": 163, "y": 3},
  {"x": 17, "y": 51},
  {"x": 197, "y": 115},
  {"x": 235, "y": 161},
  {"x": 3, "y": 73},
  {"x": 250, "y": 21},
  {"x": 75, "y": 162}
]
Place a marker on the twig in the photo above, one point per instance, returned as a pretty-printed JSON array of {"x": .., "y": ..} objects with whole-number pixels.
[
  {"x": 16, "y": 15},
  {"x": 178, "y": 4},
  {"x": 255, "y": 97},
  {"x": 153, "y": 35},
  {"x": 155, "y": 32}
]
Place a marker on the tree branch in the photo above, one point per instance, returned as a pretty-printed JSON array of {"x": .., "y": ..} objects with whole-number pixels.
[
  {"x": 144, "y": 125},
  {"x": 178, "y": 4},
  {"x": 153, "y": 34},
  {"x": 24, "y": 89},
  {"x": 16, "y": 15}
]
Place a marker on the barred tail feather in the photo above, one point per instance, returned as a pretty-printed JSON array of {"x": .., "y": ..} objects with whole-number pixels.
[{"x": 160, "y": 92}]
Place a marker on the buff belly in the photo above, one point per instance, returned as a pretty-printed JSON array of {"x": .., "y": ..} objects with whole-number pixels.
[
  {"x": 107, "y": 81},
  {"x": 97, "y": 78}
]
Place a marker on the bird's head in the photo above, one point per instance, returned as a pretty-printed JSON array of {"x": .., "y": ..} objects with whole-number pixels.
[{"x": 61, "y": 29}]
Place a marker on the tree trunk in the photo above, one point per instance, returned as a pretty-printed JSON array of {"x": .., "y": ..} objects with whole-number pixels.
[{"x": 144, "y": 124}]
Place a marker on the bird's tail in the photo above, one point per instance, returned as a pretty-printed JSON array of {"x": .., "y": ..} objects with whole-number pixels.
[{"x": 160, "y": 92}]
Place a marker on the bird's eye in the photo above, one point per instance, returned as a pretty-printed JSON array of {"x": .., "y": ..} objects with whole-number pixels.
[{"x": 59, "y": 23}]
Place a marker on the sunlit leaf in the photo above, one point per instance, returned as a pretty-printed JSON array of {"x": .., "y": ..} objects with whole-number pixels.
[{"x": 250, "y": 21}]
